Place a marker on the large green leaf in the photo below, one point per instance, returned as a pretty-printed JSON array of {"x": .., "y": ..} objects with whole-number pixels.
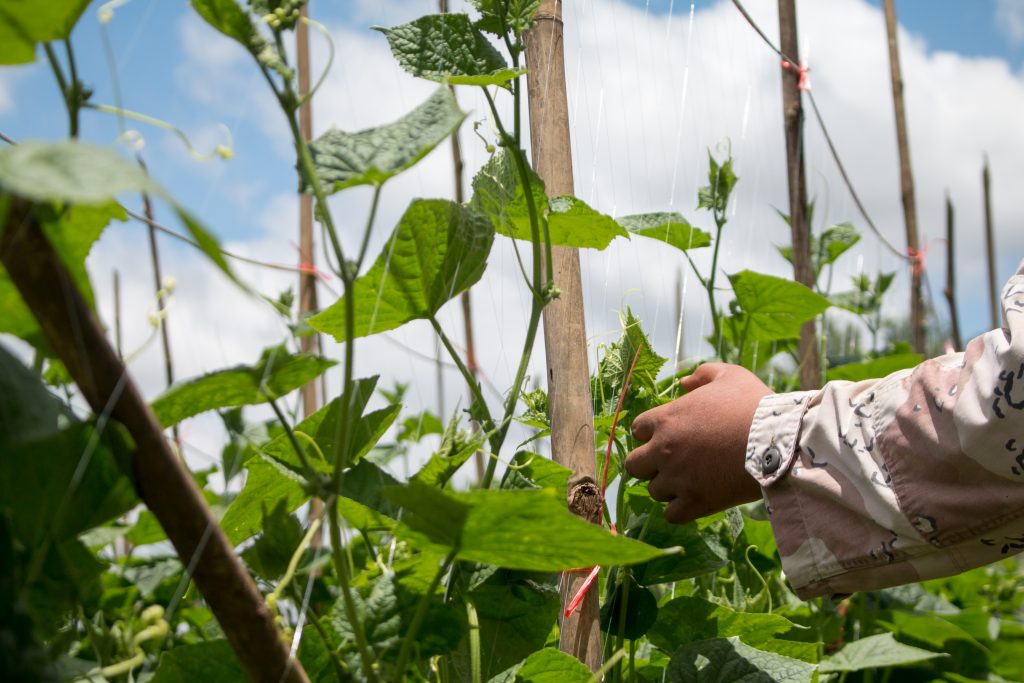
[
  {"x": 728, "y": 659},
  {"x": 372, "y": 156},
  {"x": 438, "y": 250},
  {"x": 670, "y": 228},
  {"x": 876, "y": 367},
  {"x": 873, "y": 652},
  {"x": 447, "y": 48},
  {"x": 27, "y": 409},
  {"x": 771, "y": 307},
  {"x": 213, "y": 660},
  {"x": 277, "y": 373},
  {"x": 81, "y": 173},
  {"x": 572, "y": 223},
  {"x": 686, "y": 619},
  {"x": 517, "y": 529},
  {"x": 23, "y": 23},
  {"x": 267, "y": 480}
]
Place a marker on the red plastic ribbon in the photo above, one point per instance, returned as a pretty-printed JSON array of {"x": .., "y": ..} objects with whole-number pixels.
[
  {"x": 582, "y": 592},
  {"x": 917, "y": 257},
  {"x": 803, "y": 71}
]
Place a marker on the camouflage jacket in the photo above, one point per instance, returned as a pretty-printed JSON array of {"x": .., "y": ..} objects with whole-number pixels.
[{"x": 910, "y": 477}]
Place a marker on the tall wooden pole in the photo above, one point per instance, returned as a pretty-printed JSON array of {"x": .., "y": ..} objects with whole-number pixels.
[
  {"x": 800, "y": 230},
  {"x": 565, "y": 338},
  {"x": 917, "y": 311},
  {"x": 990, "y": 246},
  {"x": 950, "y": 291},
  {"x": 307, "y": 279}
]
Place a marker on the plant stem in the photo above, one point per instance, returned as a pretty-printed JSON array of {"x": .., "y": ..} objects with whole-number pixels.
[
  {"x": 474, "y": 386},
  {"x": 341, "y": 569},
  {"x": 420, "y": 614},
  {"x": 369, "y": 229},
  {"x": 65, "y": 91},
  {"x": 475, "y": 664},
  {"x": 710, "y": 286},
  {"x": 311, "y": 472}
]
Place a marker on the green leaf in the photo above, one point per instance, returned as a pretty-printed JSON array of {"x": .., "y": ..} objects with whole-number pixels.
[
  {"x": 80, "y": 173},
  {"x": 572, "y": 223},
  {"x": 524, "y": 529},
  {"x": 415, "y": 428},
  {"x": 228, "y": 17},
  {"x": 773, "y": 308},
  {"x": 553, "y": 666},
  {"x": 28, "y": 410},
  {"x": 873, "y": 652},
  {"x": 24, "y": 23},
  {"x": 362, "y": 502},
  {"x": 832, "y": 244},
  {"x": 874, "y": 368},
  {"x": 374, "y": 155},
  {"x": 502, "y": 17},
  {"x": 720, "y": 659},
  {"x": 269, "y": 556},
  {"x": 641, "y": 610},
  {"x": 277, "y": 373},
  {"x": 438, "y": 250},
  {"x": 614, "y": 367},
  {"x": 721, "y": 180},
  {"x": 266, "y": 480},
  {"x": 531, "y": 470},
  {"x": 447, "y": 48},
  {"x": 670, "y": 228},
  {"x": 687, "y": 619},
  {"x": 212, "y": 660}
]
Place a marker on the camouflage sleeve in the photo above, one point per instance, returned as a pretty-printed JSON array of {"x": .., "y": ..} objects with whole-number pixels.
[{"x": 914, "y": 476}]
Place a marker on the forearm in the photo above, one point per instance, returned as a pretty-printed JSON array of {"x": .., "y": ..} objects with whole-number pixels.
[{"x": 917, "y": 475}]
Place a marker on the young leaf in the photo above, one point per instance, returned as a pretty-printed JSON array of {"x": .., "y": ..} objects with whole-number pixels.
[
  {"x": 277, "y": 373},
  {"x": 525, "y": 529},
  {"x": 832, "y": 244},
  {"x": 228, "y": 17},
  {"x": 447, "y": 48},
  {"x": 715, "y": 195},
  {"x": 502, "y": 17},
  {"x": 873, "y": 652},
  {"x": 729, "y": 659},
  {"x": 372, "y": 156},
  {"x": 23, "y": 24},
  {"x": 670, "y": 228},
  {"x": 438, "y": 250},
  {"x": 772, "y": 307}
]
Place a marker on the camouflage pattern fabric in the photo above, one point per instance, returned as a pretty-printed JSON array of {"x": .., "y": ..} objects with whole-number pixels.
[{"x": 910, "y": 477}]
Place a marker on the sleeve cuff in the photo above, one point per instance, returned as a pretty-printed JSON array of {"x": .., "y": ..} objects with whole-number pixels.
[{"x": 772, "y": 442}]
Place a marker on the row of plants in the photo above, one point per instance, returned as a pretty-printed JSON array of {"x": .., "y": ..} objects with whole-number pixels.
[{"x": 413, "y": 579}]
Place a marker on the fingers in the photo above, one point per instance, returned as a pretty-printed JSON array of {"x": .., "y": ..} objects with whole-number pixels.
[
  {"x": 704, "y": 374},
  {"x": 677, "y": 512},
  {"x": 641, "y": 462},
  {"x": 661, "y": 490}
]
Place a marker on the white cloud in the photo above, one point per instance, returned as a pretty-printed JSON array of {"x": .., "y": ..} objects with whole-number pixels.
[{"x": 1010, "y": 19}]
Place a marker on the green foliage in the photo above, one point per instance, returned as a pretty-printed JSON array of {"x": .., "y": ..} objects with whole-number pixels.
[
  {"x": 832, "y": 244},
  {"x": 729, "y": 659},
  {"x": 23, "y": 24},
  {"x": 873, "y": 652},
  {"x": 437, "y": 251},
  {"x": 551, "y": 666},
  {"x": 771, "y": 308},
  {"x": 715, "y": 195},
  {"x": 688, "y": 619},
  {"x": 447, "y": 48},
  {"x": 211, "y": 661},
  {"x": 875, "y": 367},
  {"x": 275, "y": 374},
  {"x": 374, "y": 155},
  {"x": 501, "y": 17}
]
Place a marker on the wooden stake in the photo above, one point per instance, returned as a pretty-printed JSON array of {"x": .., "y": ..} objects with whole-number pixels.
[
  {"x": 118, "y": 343},
  {"x": 950, "y": 291},
  {"x": 800, "y": 230},
  {"x": 160, "y": 477},
  {"x": 565, "y": 338},
  {"x": 917, "y": 310},
  {"x": 990, "y": 245}
]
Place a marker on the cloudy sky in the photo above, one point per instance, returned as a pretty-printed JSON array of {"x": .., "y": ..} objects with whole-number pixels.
[{"x": 653, "y": 85}]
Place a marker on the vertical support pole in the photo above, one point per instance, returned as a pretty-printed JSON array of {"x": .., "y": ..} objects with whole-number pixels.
[
  {"x": 950, "y": 290},
  {"x": 565, "y": 338},
  {"x": 917, "y": 311},
  {"x": 990, "y": 246},
  {"x": 800, "y": 229},
  {"x": 118, "y": 343}
]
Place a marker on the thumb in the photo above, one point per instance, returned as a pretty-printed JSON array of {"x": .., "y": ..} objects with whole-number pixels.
[{"x": 704, "y": 374}]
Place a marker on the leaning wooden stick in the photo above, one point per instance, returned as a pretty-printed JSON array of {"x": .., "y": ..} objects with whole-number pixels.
[{"x": 161, "y": 479}]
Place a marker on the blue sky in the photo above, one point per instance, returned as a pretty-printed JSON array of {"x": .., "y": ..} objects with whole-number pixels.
[{"x": 649, "y": 95}]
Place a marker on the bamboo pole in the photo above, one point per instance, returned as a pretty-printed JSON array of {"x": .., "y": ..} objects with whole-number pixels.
[
  {"x": 950, "y": 290},
  {"x": 160, "y": 477},
  {"x": 800, "y": 230},
  {"x": 565, "y": 339},
  {"x": 990, "y": 246},
  {"x": 917, "y": 309}
]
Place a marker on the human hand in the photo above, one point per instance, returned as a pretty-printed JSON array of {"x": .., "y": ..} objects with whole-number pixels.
[{"x": 694, "y": 447}]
